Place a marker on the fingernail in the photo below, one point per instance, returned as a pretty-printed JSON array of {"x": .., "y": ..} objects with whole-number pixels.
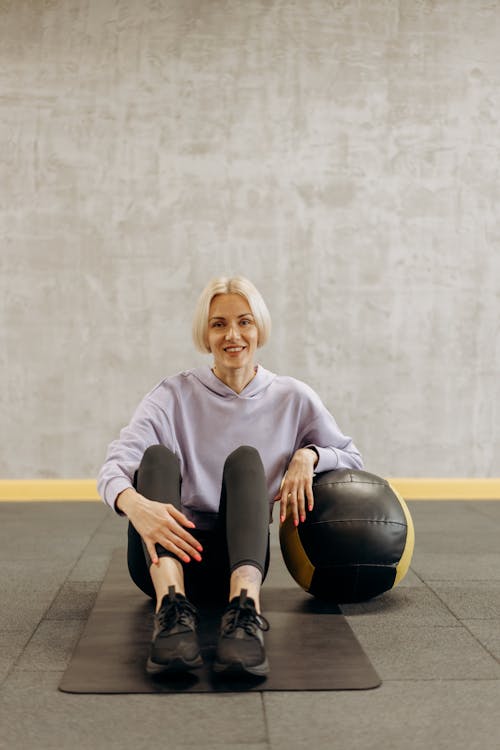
[
  {"x": 295, "y": 522},
  {"x": 197, "y": 557},
  {"x": 310, "y": 507},
  {"x": 199, "y": 548},
  {"x": 302, "y": 519},
  {"x": 187, "y": 559},
  {"x": 282, "y": 518}
]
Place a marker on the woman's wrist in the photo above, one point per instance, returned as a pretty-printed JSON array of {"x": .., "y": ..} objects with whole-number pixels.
[
  {"x": 126, "y": 500},
  {"x": 314, "y": 453},
  {"x": 309, "y": 453}
]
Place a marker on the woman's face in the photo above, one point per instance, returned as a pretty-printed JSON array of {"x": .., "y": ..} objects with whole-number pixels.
[{"x": 232, "y": 333}]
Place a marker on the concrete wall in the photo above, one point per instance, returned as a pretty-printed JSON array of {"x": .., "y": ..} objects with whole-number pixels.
[{"x": 341, "y": 153}]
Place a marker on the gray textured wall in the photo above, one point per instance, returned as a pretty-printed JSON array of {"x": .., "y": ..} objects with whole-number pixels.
[{"x": 342, "y": 154}]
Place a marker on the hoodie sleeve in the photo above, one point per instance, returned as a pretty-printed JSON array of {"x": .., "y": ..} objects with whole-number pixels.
[
  {"x": 321, "y": 432},
  {"x": 149, "y": 426}
]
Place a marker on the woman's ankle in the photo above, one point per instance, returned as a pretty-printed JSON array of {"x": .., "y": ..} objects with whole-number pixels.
[
  {"x": 167, "y": 573},
  {"x": 246, "y": 577}
]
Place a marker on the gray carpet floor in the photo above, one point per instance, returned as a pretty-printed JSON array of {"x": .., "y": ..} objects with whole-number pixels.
[{"x": 434, "y": 640}]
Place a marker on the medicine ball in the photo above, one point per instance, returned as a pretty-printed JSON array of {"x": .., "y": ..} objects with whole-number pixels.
[{"x": 356, "y": 543}]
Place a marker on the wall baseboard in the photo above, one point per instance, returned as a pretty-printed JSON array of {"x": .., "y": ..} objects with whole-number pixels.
[{"x": 439, "y": 488}]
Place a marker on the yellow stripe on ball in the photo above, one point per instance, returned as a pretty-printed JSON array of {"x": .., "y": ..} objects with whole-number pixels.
[
  {"x": 404, "y": 563},
  {"x": 296, "y": 560}
]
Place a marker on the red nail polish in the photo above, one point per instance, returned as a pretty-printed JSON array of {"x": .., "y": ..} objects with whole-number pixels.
[{"x": 295, "y": 523}]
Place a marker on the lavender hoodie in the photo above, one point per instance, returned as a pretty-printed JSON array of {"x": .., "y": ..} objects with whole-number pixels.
[{"x": 202, "y": 421}]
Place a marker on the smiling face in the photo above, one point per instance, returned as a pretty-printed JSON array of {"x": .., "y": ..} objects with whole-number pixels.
[{"x": 232, "y": 334}]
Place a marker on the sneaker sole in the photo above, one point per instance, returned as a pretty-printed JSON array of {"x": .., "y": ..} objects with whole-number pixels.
[
  {"x": 174, "y": 665},
  {"x": 238, "y": 668}
]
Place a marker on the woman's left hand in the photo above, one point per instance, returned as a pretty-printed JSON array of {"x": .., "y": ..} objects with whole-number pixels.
[{"x": 296, "y": 487}]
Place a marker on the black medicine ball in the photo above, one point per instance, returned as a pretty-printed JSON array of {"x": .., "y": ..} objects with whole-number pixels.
[{"x": 356, "y": 543}]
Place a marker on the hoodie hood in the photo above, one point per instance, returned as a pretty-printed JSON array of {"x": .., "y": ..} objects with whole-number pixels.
[{"x": 255, "y": 388}]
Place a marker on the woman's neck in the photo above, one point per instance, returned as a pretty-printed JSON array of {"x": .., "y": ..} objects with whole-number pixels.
[{"x": 237, "y": 380}]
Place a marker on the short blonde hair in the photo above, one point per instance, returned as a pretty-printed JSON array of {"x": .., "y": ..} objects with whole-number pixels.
[{"x": 230, "y": 285}]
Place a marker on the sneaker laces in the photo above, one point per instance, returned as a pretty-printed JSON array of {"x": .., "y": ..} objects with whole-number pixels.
[
  {"x": 177, "y": 611},
  {"x": 243, "y": 615}
]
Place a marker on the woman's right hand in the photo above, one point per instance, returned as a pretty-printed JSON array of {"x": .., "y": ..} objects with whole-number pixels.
[{"x": 160, "y": 523}]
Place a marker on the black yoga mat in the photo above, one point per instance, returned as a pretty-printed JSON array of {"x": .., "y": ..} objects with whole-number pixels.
[{"x": 310, "y": 645}]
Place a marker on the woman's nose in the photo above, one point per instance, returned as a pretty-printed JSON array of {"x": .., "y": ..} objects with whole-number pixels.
[{"x": 232, "y": 331}]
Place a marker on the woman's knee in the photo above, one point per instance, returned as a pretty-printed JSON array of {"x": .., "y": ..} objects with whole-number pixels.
[
  {"x": 243, "y": 457},
  {"x": 156, "y": 456}
]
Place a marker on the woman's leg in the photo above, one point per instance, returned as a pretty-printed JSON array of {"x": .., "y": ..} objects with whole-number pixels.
[
  {"x": 158, "y": 478},
  {"x": 245, "y": 512},
  {"x": 245, "y": 508},
  {"x": 174, "y": 645},
  {"x": 239, "y": 548}
]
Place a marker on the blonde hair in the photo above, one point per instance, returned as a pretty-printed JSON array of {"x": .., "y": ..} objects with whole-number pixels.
[{"x": 230, "y": 285}]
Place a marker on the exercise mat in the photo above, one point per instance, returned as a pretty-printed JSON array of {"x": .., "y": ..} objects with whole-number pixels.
[{"x": 310, "y": 645}]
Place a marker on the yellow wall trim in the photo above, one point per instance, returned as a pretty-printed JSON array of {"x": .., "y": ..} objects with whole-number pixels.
[
  {"x": 441, "y": 488},
  {"x": 48, "y": 489},
  {"x": 410, "y": 489}
]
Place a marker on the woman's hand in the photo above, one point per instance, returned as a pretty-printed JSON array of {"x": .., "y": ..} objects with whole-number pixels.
[
  {"x": 160, "y": 523},
  {"x": 296, "y": 487}
]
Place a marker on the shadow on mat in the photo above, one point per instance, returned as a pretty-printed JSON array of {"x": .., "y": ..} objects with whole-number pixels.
[{"x": 295, "y": 600}]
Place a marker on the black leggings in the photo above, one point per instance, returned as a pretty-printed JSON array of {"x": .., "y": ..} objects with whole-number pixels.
[{"x": 241, "y": 533}]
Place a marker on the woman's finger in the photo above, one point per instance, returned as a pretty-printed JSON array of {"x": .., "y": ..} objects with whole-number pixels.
[
  {"x": 285, "y": 495},
  {"x": 176, "y": 545},
  {"x": 177, "y": 551},
  {"x": 179, "y": 516},
  {"x": 292, "y": 503},
  {"x": 282, "y": 508},
  {"x": 301, "y": 506},
  {"x": 171, "y": 533},
  {"x": 178, "y": 521},
  {"x": 180, "y": 532},
  {"x": 310, "y": 496},
  {"x": 151, "y": 548},
  {"x": 187, "y": 548}
]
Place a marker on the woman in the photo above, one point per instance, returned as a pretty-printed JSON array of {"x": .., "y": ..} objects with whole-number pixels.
[{"x": 197, "y": 470}]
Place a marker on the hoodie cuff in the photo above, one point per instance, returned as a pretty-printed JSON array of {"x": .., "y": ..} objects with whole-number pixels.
[
  {"x": 328, "y": 459},
  {"x": 113, "y": 489}
]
